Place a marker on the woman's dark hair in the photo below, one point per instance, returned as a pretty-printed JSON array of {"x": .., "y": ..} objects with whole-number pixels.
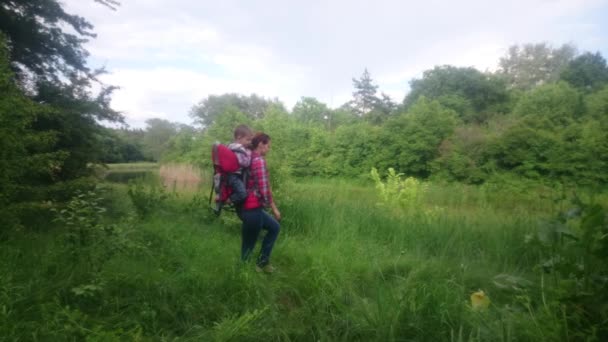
[{"x": 259, "y": 138}]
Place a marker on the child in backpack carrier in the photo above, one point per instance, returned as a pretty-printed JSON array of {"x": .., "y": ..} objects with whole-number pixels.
[{"x": 240, "y": 146}]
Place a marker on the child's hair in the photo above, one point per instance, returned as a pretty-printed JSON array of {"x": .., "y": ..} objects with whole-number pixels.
[
  {"x": 242, "y": 131},
  {"x": 259, "y": 138}
]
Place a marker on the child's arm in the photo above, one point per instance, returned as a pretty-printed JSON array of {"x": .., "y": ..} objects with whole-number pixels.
[{"x": 244, "y": 157}]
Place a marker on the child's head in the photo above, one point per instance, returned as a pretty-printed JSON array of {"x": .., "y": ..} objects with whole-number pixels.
[{"x": 243, "y": 135}]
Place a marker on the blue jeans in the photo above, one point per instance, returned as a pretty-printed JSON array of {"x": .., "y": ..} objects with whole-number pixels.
[{"x": 254, "y": 221}]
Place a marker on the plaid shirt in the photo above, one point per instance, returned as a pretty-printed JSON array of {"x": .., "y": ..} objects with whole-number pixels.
[{"x": 258, "y": 183}]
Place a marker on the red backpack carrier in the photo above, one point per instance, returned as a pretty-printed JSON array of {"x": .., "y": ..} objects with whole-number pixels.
[{"x": 224, "y": 162}]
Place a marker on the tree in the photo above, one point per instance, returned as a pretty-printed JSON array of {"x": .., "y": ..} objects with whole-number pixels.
[
  {"x": 366, "y": 104},
  {"x": 49, "y": 62},
  {"x": 386, "y": 104},
  {"x": 551, "y": 137},
  {"x": 550, "y": 105},
  {"x": 597, "y": 105},
  {"x": 531, "y": 65},
  {"x": 587, "y": 72},
  {"x": 381, "y": 111},
  {"x": 356, "y": 148},
  {"x": 471, "y": 93},
  {"x": 133, "y": 140},
  {"x": 181, "y": 144},
  {"x": 121, "y": 145},
  {"x": 364, "y": 96},
  {"x": 524, "y": 150},
  {"x": 311, "y": 111},
  {"x": 156, "y": 139},
  {"x": 410, "y": 142},
  {"x": 28, "y": 158},
  {"x": 340, "y": 116},
  {"x": 319, "y": 156},
  {"x": 277, "y": 123},
  {"x": 462, "y": 155},
  {"x": 575, "y": 153},
  {"x": 41, "y": 46},
  {"x": 206, "y": 112}
]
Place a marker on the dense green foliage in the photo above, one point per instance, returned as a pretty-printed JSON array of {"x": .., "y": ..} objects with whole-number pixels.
[
  {"x": 50, "y": 116},
  {"x": 27, "y": 158},
  {"x": 587, "y": 72},
  {"x": 457, "y": 124},
  {"x": 122, "y": 145},
  {"x": 475, "y": 96}
]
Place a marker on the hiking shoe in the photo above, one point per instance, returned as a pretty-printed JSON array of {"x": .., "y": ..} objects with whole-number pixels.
[
  {"x": 217, "y": 209},
  {"x": 266, "y": 269}
]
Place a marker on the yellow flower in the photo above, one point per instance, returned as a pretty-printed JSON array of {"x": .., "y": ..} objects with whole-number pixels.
[{"x": 479, "y": 300}]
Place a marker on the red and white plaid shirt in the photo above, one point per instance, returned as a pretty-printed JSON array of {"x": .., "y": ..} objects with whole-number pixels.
[{"x": 258, "y": 184}]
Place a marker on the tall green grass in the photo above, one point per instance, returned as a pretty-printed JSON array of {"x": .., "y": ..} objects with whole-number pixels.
[{"x": 348, "y": 269}]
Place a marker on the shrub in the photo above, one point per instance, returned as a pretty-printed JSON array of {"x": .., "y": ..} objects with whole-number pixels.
[{"x": 146, "y": 199}]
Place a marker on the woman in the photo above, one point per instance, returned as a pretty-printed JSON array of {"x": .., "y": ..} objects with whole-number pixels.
[{"x": 259, "y": 196}]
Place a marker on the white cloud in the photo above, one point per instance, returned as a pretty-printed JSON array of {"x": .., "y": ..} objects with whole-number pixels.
[
  {"x": 170, "y": 92},
  {"x": 167, "y": 56}
]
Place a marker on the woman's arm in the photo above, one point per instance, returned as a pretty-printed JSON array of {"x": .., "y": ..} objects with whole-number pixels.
[{"x": 262, "y": 179}]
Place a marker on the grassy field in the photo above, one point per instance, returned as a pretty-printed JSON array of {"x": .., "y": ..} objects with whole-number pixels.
[{"x": 159, "y": 267}]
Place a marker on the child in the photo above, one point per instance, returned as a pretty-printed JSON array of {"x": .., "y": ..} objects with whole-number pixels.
[{"x": 240, "y": 146}]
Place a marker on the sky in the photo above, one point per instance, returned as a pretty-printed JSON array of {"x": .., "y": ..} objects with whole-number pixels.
[{"x": 167, "y": 56}]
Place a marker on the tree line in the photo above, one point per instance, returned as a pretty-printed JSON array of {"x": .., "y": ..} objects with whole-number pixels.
[{"x": 543, "y": 115}]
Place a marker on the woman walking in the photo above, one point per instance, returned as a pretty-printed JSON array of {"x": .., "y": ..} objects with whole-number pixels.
[{"x": 259, "y": 196}]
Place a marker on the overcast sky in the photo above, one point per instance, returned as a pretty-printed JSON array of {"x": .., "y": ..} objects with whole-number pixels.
[{"x": 167, "y": 55}]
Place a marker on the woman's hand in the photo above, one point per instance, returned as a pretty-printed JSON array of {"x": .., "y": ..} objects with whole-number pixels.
[{"x": 275, "y": 211}]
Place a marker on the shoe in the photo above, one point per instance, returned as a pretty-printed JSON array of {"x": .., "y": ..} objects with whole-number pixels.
[
  {"x": 266, "y": 269},
  {"x": 217, "y": 209}
]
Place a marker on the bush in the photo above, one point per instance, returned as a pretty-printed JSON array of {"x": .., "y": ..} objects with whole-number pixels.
[
  {"x": 574, "y": 255},
  {"x": 396, "y": 192},
  {"x": 146, "y": 199}
]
